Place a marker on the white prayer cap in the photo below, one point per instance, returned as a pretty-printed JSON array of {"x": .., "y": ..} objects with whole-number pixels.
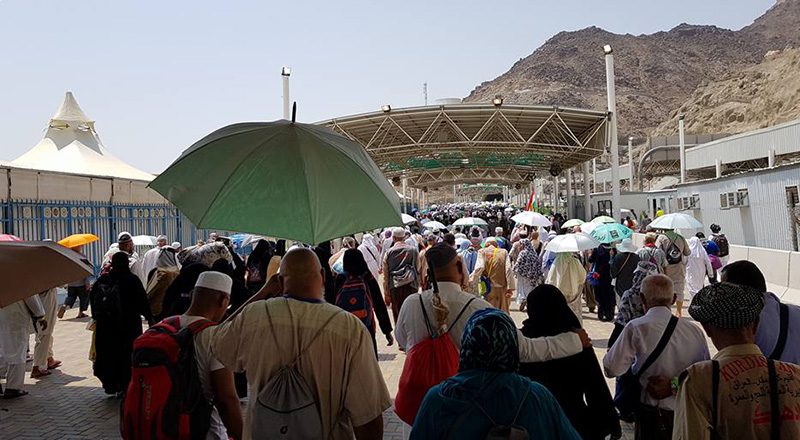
[
  {"x": 398, "y": 232},
  {"x": 215, "y": 281},
  {"x": 124, "y": 237},
  {"x": 161, "y": 238},
  {"x": 176, "y": 245}
]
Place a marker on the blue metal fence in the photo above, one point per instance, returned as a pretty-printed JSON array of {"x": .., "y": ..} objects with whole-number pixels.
[{"x": 56, "y": 219}]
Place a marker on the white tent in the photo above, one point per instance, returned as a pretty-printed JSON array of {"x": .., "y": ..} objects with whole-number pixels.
[{"x": 71, "y": 145}]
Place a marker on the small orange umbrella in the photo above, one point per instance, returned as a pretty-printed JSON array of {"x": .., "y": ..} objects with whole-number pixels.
[{"x": 76, "y": 240}]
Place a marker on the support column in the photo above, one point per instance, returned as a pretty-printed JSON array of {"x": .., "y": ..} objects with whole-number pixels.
[
  {"x": 631, "y": 168},
  {"x": 405, "y": 199},
  {"x": 771, "y": 158},
  {"x": 587, "y": 198},
  {"x": 568, "y": 210},
  {"x": 556, "y": 198},
  {"x": 594, "y": 175},
  {"x": 718, "y": 168},
  {"x": 616, "y": 212},
  {"x": 682, "y": 143}
]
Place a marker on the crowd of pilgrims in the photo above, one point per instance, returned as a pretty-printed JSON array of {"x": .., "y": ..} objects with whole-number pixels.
[{"x": 542, "y": 380}]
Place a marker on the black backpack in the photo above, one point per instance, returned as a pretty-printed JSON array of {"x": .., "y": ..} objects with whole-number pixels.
[
  {"x": 674, "y": 254},
  {"x": 106, "y": 303},
  {"x": 722, "y": 243}
]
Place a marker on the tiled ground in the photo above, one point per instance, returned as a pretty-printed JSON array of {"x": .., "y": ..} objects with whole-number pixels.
[{"x": 71, "y": 405}]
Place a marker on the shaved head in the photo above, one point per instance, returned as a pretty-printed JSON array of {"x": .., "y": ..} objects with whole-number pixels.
[{"x": 301, "y": 274}]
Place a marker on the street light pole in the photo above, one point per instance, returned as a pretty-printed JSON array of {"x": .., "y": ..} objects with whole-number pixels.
[
  {"x": 285, "y": 73},
  {"x": 616, "y": 211}
]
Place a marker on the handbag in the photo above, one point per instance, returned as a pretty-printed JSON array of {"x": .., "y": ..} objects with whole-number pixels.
[
  {"x": 485, "y": 283},
  {"x": 593, "y": 278},
  {"x": 628, "y": 397}
]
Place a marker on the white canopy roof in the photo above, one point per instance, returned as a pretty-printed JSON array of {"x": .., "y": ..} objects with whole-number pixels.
[{"x": 71, "y": 145}]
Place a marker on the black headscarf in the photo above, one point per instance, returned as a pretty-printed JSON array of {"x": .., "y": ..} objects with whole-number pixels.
[
  {"x": 239, "y": 293},
  {"x": 548, "y": 313},
  {"x": 353, "y": 262},
  {"x": 179, "y": 294},
  {"x": 280, "y": 248},
  {"x": 260, "y": 256},
  {"x": 120, "y": 262}
]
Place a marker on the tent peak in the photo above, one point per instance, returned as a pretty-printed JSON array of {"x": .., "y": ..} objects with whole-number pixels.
[{"x": 70, "y": 110}]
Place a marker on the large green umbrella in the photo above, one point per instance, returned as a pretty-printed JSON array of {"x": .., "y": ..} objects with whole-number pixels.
[
  {"x": 283, "y": 179},
  {"x": 610, "y": 232}
]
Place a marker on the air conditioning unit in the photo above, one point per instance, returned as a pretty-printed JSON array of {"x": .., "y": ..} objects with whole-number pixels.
[{"x": 742, "y": 198}]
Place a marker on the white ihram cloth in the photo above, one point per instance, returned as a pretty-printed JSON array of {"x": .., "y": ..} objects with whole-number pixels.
[
  {"x": 639, "y": 338},
  {"x": 16, "y": 327},
  {"x": 44, "y": 338},
  {"x": 148, "y": 263},
  {"x": 568, "y": 274},
  {"x": 698, "y": 267},
  {"x": 369, "y": 249}
]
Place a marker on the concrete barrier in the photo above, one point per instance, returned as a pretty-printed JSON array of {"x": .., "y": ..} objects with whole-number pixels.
[{"x": 781, "y": 269}]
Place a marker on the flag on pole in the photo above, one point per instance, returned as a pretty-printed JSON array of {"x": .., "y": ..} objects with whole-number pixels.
[{"x": 531, "y": 201}]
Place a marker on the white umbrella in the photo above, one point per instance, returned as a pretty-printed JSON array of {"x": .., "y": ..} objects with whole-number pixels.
[
  {"x": 603, "y": 219},
  {"x": 572, "y": 223},
  {"x": 470, "y": 221},
  {"x": 676, "y": 221},
  {"x": 572, "y": 243},
  {"x": 407, "y": 219},
  {"x": 434, "y": 225},
  {"x": 532, "y": 218},
  {"x": 588, "y": 227},
  {"x": 144, "y": 240}
]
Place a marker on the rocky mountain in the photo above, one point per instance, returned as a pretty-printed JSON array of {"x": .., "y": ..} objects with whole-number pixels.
[
  {"x": 756, "y": 97},
  {"x": 655, "y": 74}
]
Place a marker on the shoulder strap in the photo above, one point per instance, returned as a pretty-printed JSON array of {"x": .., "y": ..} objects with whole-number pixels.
[
  {"x": 172, "y": 321},
  {"x": 775, "y": 412},
  {"x": 463, "y": 309},
  {"x": 303, "y": 350},
  {"x": 662, "y": 343},
  {"x": 783, "y": 333},
  {"x": 200, "y": 325},
  {"x": 425, "y": 316},
  {"x": 714, "y": 398}
]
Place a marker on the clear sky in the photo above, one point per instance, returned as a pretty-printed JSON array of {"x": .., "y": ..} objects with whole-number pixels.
[{"x": 159, "y": 75}]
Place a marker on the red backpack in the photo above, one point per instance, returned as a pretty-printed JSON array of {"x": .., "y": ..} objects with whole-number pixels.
[
  {"x": 427, "y": 364},
  {"x": 165, "y": 399}
]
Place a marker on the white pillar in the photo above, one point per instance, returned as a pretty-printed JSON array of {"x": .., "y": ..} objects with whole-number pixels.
[
  {"x": 718, "y": 167},
  {"x": 631, "y": 168},
  {"x": 285, "y": 72},
  {"x": 594, "y": 175},
  {"x": 616, "y": 212},
  {"x": 682, "y": 143},
  {"x": 556, "y": 198},
  {"x": 587, "y": 198},
  {"x": 771, "y": 158},
  {"x": 568, "y": 210},
  {"x": 405, "y": 199}
]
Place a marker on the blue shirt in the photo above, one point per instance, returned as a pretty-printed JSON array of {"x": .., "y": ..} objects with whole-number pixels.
[
  {"x": 449, "y": 409},
  {"x": 769, "y": 328}
]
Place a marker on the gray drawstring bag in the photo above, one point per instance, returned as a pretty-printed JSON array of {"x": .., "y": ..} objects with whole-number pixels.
[{"x": 287, "y": 407}]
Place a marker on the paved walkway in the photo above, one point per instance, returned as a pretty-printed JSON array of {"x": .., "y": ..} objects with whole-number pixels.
[{"x": 70, "y": 404}]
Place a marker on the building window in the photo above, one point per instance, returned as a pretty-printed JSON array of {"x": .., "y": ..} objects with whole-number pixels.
[{"x": 792, "y": 197}]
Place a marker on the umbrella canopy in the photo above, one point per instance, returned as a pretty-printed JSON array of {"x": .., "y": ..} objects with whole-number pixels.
[
  {"x": 470, "y": 221},
  {"x": 407, "y": 219},
  {"x": 572, "y": 243},
  {"x": 9, "y": 237},
  {"x": 603, "y": 219},
  {"x": 532, "y": 218},
  {"x": 434, "y": 225},
  {"x": 76, "y": 240},
  {"x": 283, "y": 179},
  {"x": 676, "y": 221},
  {"x": 572, "y": 223},
  {"x": 588, "y": 227},
  {"x": 610, "y": 232},
  {"x": 31, "y": 267},
  {"x": 144, "y": 240}
]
